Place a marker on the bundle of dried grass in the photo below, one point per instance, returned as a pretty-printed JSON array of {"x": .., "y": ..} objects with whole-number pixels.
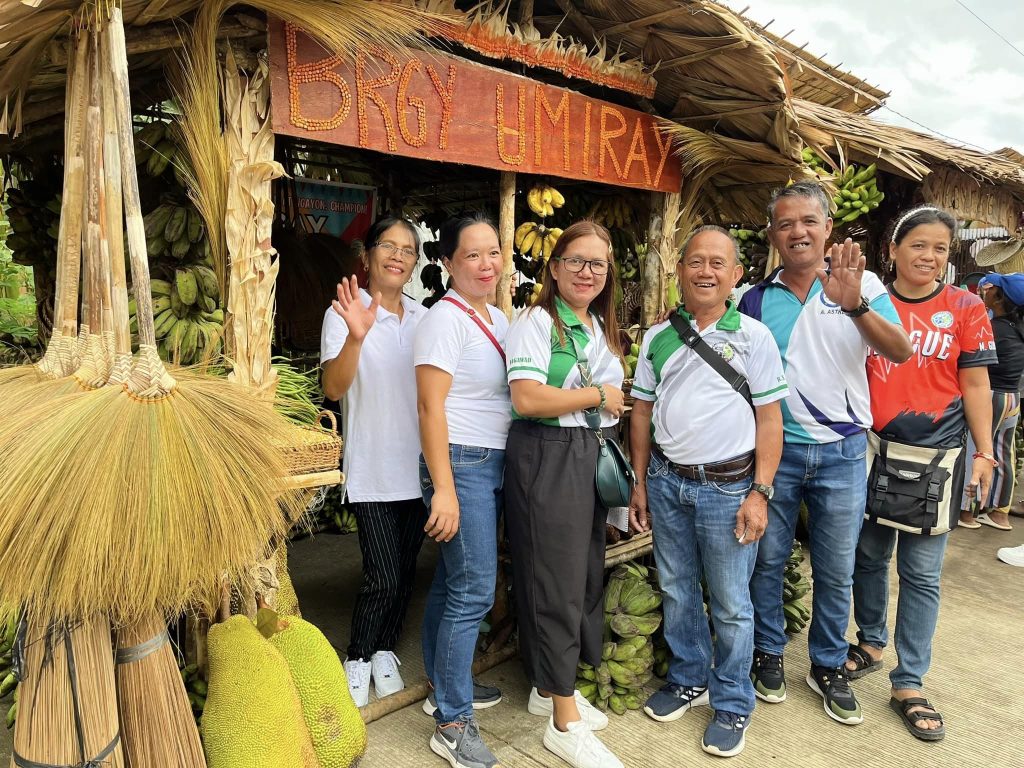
[
  {"x": 157, "y": 727},
  {"x": 67, "y": 705}
]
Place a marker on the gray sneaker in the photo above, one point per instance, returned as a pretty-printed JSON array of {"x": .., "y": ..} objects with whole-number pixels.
[
  {"x": 484, "y": 697},
  {"x": 460, "y": 744}
]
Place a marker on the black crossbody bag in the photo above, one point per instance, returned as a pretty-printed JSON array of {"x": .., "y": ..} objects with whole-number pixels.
[{"x": 693, "y": 340}]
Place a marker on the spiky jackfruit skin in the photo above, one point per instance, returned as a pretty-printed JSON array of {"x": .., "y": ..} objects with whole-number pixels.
[
  {"x": 287, "y": 600},
  {"x": 334, "y": 723},
  {"x": 253, "y": 717}
]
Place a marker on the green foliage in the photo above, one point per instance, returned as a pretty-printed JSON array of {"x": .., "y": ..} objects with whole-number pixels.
[{"x": 17, "y": 300}]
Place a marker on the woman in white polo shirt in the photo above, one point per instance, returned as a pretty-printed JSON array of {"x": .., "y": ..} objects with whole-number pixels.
[
  {"x": 366, "y": 354},
  {"x": 555, "y": 523},
  {"x": 464, "y": 418}
]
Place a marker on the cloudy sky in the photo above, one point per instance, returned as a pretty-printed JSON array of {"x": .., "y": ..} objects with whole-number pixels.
[{"x": 942, "y": 66}]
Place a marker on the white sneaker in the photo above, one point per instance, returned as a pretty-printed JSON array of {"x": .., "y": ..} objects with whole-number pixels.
[
  {"x": 1012, "y": 555},
  {"x": 579, "y": 747},
  {"x": 386, "y": 678},
  {"x": 358, "y": 674},
  {"x": 595, "y": 719}
]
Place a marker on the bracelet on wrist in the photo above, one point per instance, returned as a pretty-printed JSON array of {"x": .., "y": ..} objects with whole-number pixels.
[
  {"x": 986, "y": 456},
  {"x": 600, "y": 391}
]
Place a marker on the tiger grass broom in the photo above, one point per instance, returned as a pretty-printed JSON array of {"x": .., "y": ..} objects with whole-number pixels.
[
  {"x": 67, "y": 703},
  {"x": 138, "y": 498}
]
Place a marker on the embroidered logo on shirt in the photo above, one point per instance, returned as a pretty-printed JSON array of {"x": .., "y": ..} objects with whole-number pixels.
[
  {"x": 942, "y": 319},
  {"x": 724, "y": 349}
]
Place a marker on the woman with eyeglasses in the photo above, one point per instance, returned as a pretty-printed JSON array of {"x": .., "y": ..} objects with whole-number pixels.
[
  {"x": 464, "y": 414},
  {"x": 366, "y": 352},
  {"x": 555, "y": 523}
]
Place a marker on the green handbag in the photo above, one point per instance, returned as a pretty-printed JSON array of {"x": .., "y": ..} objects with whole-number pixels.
[{"x": 615, "y": 478}]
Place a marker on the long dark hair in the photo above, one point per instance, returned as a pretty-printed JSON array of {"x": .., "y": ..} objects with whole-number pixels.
[{"x": 603, "y": 304}]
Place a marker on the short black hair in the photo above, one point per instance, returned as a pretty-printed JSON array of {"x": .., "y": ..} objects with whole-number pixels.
[
  {"x": 711, "y": 228},
  {"x": 811, "y": 189},
  {"x": 451, "y": 231}
]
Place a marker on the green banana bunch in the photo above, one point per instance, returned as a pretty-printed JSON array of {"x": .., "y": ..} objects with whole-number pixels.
[
  {"x": 196, "y": 688},
  {"x": 795, "y": 586}
]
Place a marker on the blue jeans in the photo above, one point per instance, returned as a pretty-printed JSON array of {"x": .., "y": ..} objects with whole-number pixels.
[
  {"x": 919, "y": 565},
  {"x": 463, "y": 588},
  {"x": 693, "y": 524},
  {"x": 831, "y": 478}
]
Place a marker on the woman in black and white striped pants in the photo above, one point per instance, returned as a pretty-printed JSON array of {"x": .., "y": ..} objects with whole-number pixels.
[{"x": 367, "y": 359}]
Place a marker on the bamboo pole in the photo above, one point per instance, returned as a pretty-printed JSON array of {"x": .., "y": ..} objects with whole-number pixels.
[
  {"x": 506, "y": 234},
  {"x": 418, "y": 692}
]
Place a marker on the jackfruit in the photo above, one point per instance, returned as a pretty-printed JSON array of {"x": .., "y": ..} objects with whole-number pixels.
[
  {"x": 287, "y": 601},
  {"x": 253, "y": 716},
  {"x": 334, "y": 723}
]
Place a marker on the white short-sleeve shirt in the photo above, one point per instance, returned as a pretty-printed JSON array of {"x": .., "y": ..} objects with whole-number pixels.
[
  {"x": 478, "y": 407},
  {"x": 535, "y": 353},
  {"x": 381, "y": 429},
  {"x": 698, "y": 417}
]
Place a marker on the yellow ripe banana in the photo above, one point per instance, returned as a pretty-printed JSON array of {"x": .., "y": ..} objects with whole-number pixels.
[
  {"x": 545, "y": 196},
  {"x": 521, "y": 231},
  {"x": 533, "y": 199},
  {"x": 528, "y": 240},
  {"x": 549, "y": 244},
  {"x": 557, "y": 199},
  {"x": 538, "y": 247}
]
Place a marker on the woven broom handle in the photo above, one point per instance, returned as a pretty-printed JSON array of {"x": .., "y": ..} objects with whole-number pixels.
[
  {"x": 69, "y": 238},
  {"x": 94, "y": 160},
  {"x": 132, "y": 207},
  {"x": 114, "y": 213}
]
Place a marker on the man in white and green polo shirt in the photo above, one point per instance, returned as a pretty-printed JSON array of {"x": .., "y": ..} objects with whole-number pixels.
[{"x": 707, "y": 479}]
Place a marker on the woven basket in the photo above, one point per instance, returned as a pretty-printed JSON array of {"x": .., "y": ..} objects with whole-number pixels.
[{"x": 314, "y": 449}]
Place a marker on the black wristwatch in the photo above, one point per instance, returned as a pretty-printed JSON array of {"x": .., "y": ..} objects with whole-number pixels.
[
  {"x": 765, "y": 490},
  {"x": 860, "y": 309}
]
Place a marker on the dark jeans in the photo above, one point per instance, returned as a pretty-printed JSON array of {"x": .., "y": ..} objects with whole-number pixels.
[{"x": 390, "y": 535}]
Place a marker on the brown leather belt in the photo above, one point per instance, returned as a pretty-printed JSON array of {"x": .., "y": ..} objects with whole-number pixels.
[{"x": 729, "y": 471}]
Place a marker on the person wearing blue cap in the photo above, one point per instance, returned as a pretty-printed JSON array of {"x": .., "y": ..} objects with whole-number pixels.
[{"x": 1004, "y": 298}]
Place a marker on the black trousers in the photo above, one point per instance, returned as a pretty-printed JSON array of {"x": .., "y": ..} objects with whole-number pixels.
[
  {"x": 556, "y": 532},
  {"x": 390, "y": 536}
]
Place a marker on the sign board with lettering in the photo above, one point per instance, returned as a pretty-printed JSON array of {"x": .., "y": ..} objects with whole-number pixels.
[
  {"x": 332, "y": 208},
  {"x": 434, "y": 106}
]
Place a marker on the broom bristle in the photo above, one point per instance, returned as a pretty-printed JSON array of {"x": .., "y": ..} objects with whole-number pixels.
[
  {"x": 46, "y": 730},
  {"x": 127, "y": 506},
  {"x": 157, "y": 725}
]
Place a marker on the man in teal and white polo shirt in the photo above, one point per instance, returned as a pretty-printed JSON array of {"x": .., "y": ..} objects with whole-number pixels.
[
  {"x": 707, "y": 480},
  {"x": 825, "y": 317}
]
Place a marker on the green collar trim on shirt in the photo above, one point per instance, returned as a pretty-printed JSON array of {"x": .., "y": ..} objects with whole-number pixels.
[
  {"x": 566, "y": 315},
  {"x": 730, "y": 321}
]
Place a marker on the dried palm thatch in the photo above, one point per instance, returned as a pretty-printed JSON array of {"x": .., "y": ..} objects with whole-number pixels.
[
  {"x": 67, "y": 706},
  {"x": 157, "y": 726},
  {"x": 135, "y": 498},
  {"x": 726, "y": 180},
  {"x": 974, "y": 184}
]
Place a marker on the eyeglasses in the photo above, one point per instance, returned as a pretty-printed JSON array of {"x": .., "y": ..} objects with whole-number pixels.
[
  {"x": 391, "y": 249},
  {"x": 598, "y": 267}
]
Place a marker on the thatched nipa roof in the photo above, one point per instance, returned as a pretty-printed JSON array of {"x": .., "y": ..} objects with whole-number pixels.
[{"x": 974, "y": 184}]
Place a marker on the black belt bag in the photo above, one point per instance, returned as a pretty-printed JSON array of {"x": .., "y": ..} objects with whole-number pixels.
[{"x": 910, "y": 486}]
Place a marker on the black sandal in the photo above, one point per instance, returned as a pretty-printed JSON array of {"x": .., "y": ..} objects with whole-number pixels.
[
  {"x": 901, "y": 707},
  {"x": 864, "y": 664}
]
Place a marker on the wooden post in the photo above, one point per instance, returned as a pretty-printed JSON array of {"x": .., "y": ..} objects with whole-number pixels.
[
  {"x": 506, "y": 233},
  {"x": 662, "y": 254}
]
